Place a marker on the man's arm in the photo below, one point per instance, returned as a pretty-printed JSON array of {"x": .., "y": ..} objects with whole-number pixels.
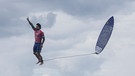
[
  {"x": 43, "y": 40},
  {"x": 30, "y": 24}
]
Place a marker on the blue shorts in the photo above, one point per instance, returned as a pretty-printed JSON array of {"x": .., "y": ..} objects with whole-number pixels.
[{"x": 37, "y": 47}]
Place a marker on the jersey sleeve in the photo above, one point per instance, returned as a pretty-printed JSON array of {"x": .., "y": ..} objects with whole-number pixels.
[{"x": 43, "y": 34}]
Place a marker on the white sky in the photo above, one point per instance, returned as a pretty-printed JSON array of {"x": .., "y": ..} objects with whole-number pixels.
[{"x": 71, "y": 27}]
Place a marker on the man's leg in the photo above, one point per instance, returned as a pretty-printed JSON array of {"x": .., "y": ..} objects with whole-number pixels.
[
  {"x": 35, "y": 50},
  {"x": 36, "y": 54},
  {"x": 40, "y": 58}
]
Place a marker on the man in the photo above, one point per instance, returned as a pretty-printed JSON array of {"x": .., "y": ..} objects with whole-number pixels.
[{"x": 39, "y": 41}]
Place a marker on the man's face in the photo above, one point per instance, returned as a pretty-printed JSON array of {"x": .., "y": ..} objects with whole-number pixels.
[{"x": 37, "y": 27}]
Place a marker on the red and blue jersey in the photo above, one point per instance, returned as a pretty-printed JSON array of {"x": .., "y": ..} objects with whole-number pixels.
[{"x": 38, "y": 35}]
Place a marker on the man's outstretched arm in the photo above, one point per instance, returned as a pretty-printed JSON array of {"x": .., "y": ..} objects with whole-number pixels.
[{"x": 30, "y": 23}]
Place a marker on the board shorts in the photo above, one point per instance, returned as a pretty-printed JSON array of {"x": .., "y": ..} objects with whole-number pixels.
[{"x": 37, "y": 47}]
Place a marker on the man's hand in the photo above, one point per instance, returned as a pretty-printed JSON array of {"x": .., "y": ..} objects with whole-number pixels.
[
  {"x": 27, "y": 18},
  {"x": 41, "y": 45}
]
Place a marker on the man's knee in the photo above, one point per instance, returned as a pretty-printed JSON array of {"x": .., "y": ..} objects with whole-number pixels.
[{"x": 35, "y": 53}]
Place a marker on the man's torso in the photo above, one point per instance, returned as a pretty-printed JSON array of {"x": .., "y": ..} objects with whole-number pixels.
[{"x": 38, "y": 36}]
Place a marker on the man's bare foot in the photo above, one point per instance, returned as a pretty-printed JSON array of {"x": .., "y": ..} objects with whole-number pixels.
[
  {"x": 41, "y": 62},
  {"x": 38, "y": 62}
]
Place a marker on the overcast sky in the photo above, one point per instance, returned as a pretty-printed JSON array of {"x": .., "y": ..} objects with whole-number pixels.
[{"x": 71, "y": 27}]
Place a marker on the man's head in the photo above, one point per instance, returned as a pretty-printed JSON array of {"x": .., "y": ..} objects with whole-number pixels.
[{"x": 38, "y": 26}]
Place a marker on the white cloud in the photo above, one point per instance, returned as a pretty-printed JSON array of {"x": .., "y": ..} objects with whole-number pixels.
[
  {"x": 74, "y": 28},
  {"x": 46, "y": 19},
  {"x": 16, "y": 56}
]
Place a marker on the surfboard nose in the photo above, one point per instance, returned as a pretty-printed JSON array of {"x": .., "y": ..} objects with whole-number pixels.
[{"x": 110, "y": 21}]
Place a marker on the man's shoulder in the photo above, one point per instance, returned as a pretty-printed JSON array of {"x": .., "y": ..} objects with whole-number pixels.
[{"x": 41, "y": 31}]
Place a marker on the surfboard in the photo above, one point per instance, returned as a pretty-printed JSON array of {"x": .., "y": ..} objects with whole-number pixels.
[{"x": 104, "y": 35}]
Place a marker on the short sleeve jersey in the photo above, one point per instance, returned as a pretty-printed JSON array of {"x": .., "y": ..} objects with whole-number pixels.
[{"x": 38, "y": 35}]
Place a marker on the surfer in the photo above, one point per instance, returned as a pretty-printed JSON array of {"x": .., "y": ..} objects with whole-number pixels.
[{"x": 39, "y": 41}]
